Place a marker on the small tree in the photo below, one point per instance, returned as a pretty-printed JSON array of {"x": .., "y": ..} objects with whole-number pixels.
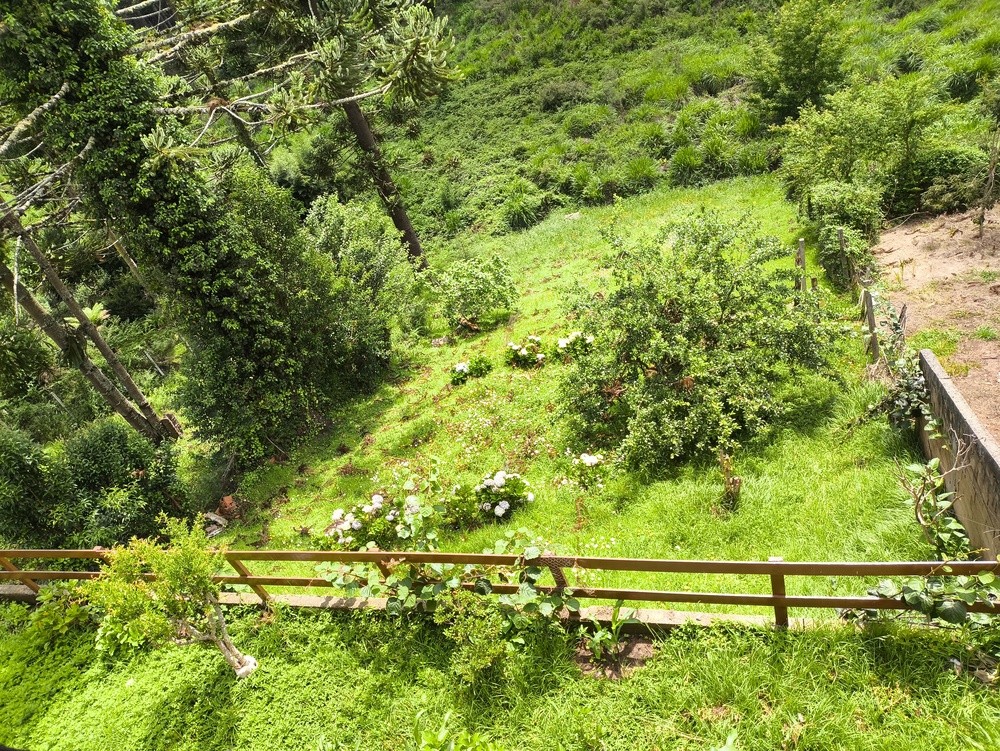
[
  {"x": 152, "y": 594},
  {"x": 802, "y": 61}
]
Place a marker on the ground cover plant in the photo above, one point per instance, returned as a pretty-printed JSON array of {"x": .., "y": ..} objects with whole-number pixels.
[{"x": 351, "y": 683}]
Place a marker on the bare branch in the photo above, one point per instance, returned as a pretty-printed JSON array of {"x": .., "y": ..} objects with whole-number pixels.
[
  {"x": 24, "y": 200},
  {"x": 182, "y": 40},
  {"x": 29, "y": 121},
  {"x": 138, "y": 6}
]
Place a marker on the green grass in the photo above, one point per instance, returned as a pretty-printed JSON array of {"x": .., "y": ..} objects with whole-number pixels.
[
  {"x": 333, "y": 682},
  {"x": 815, "y": 488},
  {"x": 986, "y": 333},
  {"x": 943, "y": 342}
]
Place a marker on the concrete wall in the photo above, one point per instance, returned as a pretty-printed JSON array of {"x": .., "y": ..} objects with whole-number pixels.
[{"x": 977, "y": 485}]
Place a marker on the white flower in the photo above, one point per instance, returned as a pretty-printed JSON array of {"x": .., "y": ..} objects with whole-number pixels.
[
  {"x": 562, "y": 343},
  {"x": 488, "y": 482},
  {"x": 523, "y": 352},
  {"x": 462, "y": 367},
  {"x": 499, "y": 511},
  {"x": 377, "y": 502},
  {"x": 535, "y": 339},
  {"x": 356, "y": 525},
  {"x": 391, "y": 516},
  {"x": 531, "y": 497},
  {"x": 367, "y": 509},
  {"x": 513, "y": 345},
  {"x": 540, "y": 357},
  {"x": 486, "y": 507},
  {"x": 499, "y": 479},
  {"x": 590, "y": 339},
  {"x": 590, "y": 460},
  {"x": 338, "y": 515}
]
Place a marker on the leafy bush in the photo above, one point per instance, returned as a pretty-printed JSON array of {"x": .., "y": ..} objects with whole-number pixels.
[
  {"x": 868, "y": 137},
  {"x": 180, "y": 604},
  {"x": 557, "y": 94},
  {"x": 946, "y": 178},
  {"x": 695, "y": 341},
  {"x": 301, "y": 329},
  {"x": 476, "y": 367},
  {"x": 842, "y": 204},
  {"x": 574, "y": 345},
  {"x": 586, "y": 120},
  {"x": 802, "y": 58},
  {"x": 477, "y": 291},
  {"x": 29, "y": 491},
  {"x": 500, "y": 494},
  {"x": 122, "y": 484}
]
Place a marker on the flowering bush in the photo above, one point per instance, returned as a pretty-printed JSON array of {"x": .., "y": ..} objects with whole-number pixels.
[
  {"x": 476, "y": 367},
  {"x": 384, "y": 523},
  {"x": 499, "y": 494},
  {"x": 528, "y": 355},
  {"x": 574, "y": 345},
  {"x": 588, "y": 470}
]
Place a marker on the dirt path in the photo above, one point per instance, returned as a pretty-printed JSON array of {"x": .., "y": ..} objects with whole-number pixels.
[{"x": 949, "y": 278}]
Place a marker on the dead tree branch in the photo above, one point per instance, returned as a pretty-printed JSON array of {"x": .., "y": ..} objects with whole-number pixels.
[{"x": 22, "y": 126}]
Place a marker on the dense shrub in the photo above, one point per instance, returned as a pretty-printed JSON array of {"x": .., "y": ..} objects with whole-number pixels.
[
  {"x": 587, "y": 119},
  {"x": 477, "y": 291},
  {"x": 557, "y": 94},
  {"x": 693, "y": 343},
  {"x": 867, "y": 136},
  {"x": 843, "y": 204},
  {"x": 121, "y": 482},
  {"x": 943, "y": 178},
  {"x": 317, "y": 336},
  {"x": 23, "y": 358},
  {"x": 28, "y": 493}
]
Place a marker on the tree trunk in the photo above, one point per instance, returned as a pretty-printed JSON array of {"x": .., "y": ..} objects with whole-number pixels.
[
  {"x": 101, "y": 383},
  {"x": 383, "y": 181},
  {"x": 243, "y": 134},
  {"x": 11, "y": 222}
]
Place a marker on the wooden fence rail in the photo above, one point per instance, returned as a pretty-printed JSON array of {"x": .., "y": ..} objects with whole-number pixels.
[{"x": 775, "y": 569}]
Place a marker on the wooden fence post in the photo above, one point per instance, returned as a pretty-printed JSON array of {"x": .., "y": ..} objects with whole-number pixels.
[
  {"x": 868, "y": 305},
  {"x": 778, "y": 590},
  {"x": 800, "y": 264}
]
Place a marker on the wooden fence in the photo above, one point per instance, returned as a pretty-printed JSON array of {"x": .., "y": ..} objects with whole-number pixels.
[{"x": 775, "y": 569}]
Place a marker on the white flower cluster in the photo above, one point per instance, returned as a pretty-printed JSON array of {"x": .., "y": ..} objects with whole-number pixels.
[
  {"x": 573, "y": 338},
  {"x": 509, "y": 486},
  {"x": 346, "y": 523},
  {"x": 589, "y": 460},
  {"x": 462, "y": 367},
  {"x": 528, "y": 354}
]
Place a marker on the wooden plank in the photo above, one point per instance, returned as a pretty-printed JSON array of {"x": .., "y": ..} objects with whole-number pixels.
[
  {"x": 787, "y": 568},
  {"x": 234, "y": 561},
  {"x": 27, "y": 581}
]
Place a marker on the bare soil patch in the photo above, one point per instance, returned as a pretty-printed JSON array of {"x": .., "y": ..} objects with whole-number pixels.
[
  {"x": 949, "y": 279},
  {"x": 635, "y": 652}
]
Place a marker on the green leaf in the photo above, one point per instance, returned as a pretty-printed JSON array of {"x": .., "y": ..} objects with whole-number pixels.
[
  {"x": 532, "y": 553},
  {"x": 952, "y": 612}
]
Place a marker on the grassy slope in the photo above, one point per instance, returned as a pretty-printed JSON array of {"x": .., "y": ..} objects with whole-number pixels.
[
  {"x": 332, "y": 683},
  {"x": 813, "y": 489}
]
